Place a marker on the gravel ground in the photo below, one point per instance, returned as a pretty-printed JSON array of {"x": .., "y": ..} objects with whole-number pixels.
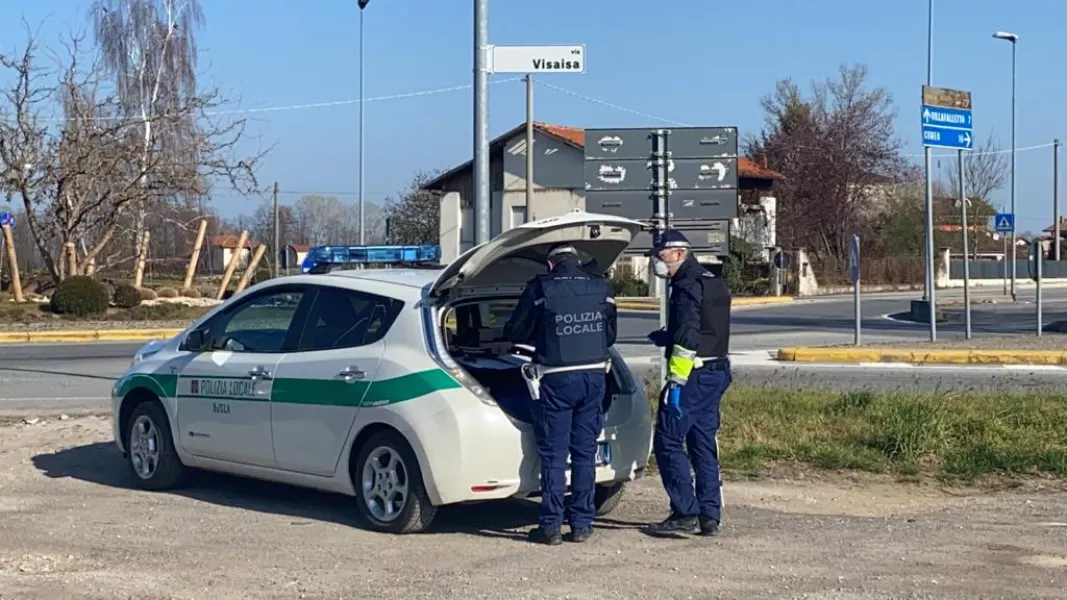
[
  {"x": 1049, "y": 341},
  {"x": 65, "y": 325},
  {"x": 73, "y": 528}
]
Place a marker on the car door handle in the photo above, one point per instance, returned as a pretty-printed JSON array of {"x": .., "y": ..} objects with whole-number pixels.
[
  {"x": 352, "y": 374},
  {"x": 259, "y": 373}
]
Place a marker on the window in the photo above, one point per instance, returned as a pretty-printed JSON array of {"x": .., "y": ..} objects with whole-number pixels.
[
  {"x": 347, "y": 319},
  {"x": 468, "y": 319},
  {"x": 518, "y": 215},
  {"x": 261, "y": 324}
]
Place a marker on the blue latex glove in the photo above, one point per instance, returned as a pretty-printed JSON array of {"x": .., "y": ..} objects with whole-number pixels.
[
  {"x": 672, "y": 399},
  {"x": 658, "y": 338}
]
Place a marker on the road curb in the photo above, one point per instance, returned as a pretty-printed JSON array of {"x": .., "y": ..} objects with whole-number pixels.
[
  {"x": 742, "y": 301},
  {"x": 917, "y": 356},
  {"x": 94, "y": 335}
]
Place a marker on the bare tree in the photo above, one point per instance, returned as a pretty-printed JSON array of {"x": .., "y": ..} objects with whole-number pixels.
[
  {"x": 79, "y": 179},
  {"x": 838, "y": 152},
  {"x": 985, "y": 170},
  {"x": 149, "y": 49}
]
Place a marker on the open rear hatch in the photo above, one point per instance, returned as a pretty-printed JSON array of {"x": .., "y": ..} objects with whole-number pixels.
[
  {"x": 508, "y": 261},
  {"x": 479, "y": 289}
]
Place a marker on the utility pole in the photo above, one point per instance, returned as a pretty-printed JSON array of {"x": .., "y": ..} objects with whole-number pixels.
[
  {"x": 362, "y": 5},
  {"x": 1056, "y": 198},
  {"x": 529, "y": 148},
  {"x": 481, "y": 122},
  {"x": 930, "y": 295},
  {"x": 277, "y": 247}
]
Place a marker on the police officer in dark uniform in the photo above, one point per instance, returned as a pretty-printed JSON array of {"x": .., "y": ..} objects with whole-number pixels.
[
  {"x": 568, "y": 315},
  {"x": 696, "y": 344}
]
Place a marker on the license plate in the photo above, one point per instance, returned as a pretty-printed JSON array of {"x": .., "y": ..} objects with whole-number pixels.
[{"x": 603, "y": 454}]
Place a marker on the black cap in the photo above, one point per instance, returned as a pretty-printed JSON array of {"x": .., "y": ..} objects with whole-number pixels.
[{"x": 672, "y": 238}]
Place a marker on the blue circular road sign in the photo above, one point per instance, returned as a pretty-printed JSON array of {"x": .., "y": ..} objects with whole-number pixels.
[
  {"x": 7, "y": 218},
  {"x": 781, "y": 260}
]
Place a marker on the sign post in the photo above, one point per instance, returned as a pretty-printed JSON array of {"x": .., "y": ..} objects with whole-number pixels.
[
  {"x": 1004, "y": 224},
  {"x": 1037, "y": 259},
  {"x": 660, "y": 194},
  {"x": 529, "y": 60},
  {"x": 854, "y": 273},
  {"x": 946, "y": 123},
  {"x": 966, "y": 252}
]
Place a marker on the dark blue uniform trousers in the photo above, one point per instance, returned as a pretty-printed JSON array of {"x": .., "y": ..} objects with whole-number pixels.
[
  {"x": 568, "y": 418},
  {"x": 695, "y": 429}
]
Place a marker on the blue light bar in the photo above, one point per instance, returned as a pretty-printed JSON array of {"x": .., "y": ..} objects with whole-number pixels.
[{"x": 370, "y": 255}]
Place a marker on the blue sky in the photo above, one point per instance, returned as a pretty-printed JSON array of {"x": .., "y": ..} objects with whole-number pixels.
[{"x": 691, "y": 61}]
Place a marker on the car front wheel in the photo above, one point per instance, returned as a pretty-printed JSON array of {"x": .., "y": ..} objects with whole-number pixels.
[
  {"x": 389, "y": 488},
  {"x": 606, "y": 498},
  {"x": 150, "y": 448}
]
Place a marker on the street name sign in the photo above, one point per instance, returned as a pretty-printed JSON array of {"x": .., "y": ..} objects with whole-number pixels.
[
  {"x": 537, "y": 59},
  {"x": 946, "y": 119}
]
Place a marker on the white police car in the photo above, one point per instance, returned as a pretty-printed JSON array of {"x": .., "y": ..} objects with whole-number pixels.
[{"x": 393, "y": 385}]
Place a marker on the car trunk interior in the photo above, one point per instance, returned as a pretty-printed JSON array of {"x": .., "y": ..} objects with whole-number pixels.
[{"x": 474, "y": 336}]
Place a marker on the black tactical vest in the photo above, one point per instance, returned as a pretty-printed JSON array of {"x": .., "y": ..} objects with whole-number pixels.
[
  {"x": 573, "y": 330},
  {"x": 714, "y": 317}
]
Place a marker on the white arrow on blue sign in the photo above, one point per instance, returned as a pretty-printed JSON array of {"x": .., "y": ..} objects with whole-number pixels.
[
  {"x": 7, "y": 218},
  {"x": 947, "y": 128},
  {"x": 1004, "y": 222}
]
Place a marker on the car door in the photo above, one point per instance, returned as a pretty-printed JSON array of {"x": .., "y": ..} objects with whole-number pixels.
[
  {"x": 320, "y": 386},
  {"x": 224, "y": 392}
]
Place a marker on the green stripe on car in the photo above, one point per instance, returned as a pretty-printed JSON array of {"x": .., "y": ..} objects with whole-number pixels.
[{"x": 320, "y": 392}]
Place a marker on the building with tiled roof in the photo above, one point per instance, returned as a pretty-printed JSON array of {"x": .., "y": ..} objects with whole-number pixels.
[{"x": 559, "y": 187}]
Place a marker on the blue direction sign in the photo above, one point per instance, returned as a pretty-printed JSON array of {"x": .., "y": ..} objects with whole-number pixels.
[
  {"x": 947, "y": 128},
  {"x": 1004, "y": 223},
  {"x": 7, "y": 218},
  {"x": 946, "y": 119}
]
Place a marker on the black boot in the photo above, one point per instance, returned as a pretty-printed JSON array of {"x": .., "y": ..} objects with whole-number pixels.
[
  {"x": 709, "y": 526},
  {"x": 674, "y": 525},
  {"x": 540, "y": 535},
  {"x": 581, "y": 534}
]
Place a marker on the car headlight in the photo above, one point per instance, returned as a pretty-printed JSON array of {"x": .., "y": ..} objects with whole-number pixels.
[{"x": 147, "y": 350}]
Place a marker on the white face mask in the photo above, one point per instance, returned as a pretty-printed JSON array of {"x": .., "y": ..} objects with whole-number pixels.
[{"x": 662, "y": 268}]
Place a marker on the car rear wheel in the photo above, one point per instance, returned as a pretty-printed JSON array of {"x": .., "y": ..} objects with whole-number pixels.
[
  {"x": 150, "y": 448},
  {"x": 606, "y": 498},
  {"x": 389, "y": 488}
]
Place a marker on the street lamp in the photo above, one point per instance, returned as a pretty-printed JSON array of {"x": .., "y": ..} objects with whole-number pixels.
[
  {"x": 362, "y": 4},
  {"x": 1013, "y": 38}
]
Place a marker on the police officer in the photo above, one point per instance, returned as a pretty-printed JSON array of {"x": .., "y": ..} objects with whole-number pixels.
[
  {"x": 696, "y": 343},
  {"x": 569, "y": 317}
]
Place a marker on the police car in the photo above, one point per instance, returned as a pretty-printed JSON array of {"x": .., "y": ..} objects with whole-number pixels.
[{"x": 393, "y": 386}]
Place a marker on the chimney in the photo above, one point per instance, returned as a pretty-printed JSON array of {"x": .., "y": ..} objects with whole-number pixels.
[{"x": 763, "y": 161}]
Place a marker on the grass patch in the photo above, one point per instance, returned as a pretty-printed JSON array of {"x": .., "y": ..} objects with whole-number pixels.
[{"x": 951, "y": 436}]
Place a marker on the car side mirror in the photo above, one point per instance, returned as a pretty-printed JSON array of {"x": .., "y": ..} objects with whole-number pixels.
[{"x": 195, "y": 341}]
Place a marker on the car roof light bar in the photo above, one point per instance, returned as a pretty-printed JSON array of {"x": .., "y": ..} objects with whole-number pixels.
[{"x": 322, "y": 259}]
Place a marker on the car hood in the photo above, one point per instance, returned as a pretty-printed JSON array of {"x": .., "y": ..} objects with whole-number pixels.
[{"x": 515, "y": 256}]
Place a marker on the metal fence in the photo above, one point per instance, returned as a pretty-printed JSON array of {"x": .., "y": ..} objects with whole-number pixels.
[{"x": 995, "y": 269}]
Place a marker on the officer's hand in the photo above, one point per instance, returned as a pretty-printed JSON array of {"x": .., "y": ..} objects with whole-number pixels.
[{"x": 658, "y": 338}]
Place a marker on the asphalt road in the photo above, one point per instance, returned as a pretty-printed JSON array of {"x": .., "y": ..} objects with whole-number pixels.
[{"x": 79, "y": 376}]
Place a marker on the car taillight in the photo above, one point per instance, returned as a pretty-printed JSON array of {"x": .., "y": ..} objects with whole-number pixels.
[{"x": 435, "y": 345}]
